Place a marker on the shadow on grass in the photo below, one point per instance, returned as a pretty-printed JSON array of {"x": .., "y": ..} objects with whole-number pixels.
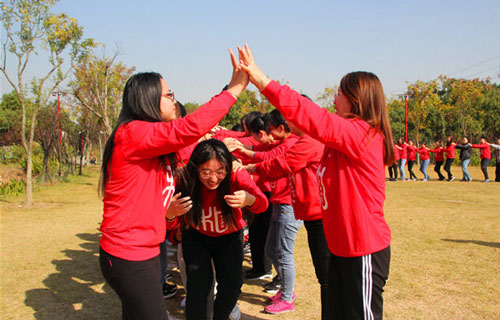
[
  {"x": 74, "y": 292},
  {"x": 481, "y": 243}
]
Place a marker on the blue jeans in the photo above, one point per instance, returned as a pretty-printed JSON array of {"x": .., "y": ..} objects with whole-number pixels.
[
  {"x": 423, "y": 168},
  {"x": 279, "y": 246},
  {"x": 402, "y": 163},
  {"x": 465, "y": 164}
]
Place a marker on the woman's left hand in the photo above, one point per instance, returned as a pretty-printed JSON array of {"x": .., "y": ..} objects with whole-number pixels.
[{"x": 240, "y": 199}]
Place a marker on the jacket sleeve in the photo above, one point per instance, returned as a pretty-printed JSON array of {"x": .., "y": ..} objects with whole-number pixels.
[
  {"x": 350, "y": 136},
  {"x": 153, "y": 139},
  {"x": 243, "y": 181}
]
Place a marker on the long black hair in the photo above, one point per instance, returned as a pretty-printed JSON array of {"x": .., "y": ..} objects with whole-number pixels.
[
  {"x": 141, "y": 101},
  {"x": 275, "y": 119},
  {"x": 190, "y": 184}
]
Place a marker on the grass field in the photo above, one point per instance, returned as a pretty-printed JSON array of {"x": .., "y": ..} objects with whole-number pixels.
[{"x": 445, "y": 260}]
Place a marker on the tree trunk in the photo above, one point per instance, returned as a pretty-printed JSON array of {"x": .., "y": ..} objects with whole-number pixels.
[{"x": 29, "y": 182}]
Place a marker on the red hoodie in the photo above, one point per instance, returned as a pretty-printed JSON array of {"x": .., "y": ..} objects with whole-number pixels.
[
  {"x": 403, "y": 153},
  {"x": 212, "y": 223},
  {"x": 139, "y": 188},
  {"x": 300, "y": 164},
  {"x": 352, "y": 190},
  {"x": 411, "y": 153},
  {"x": 484, "y": 150},
  {"x": 450, "y": 151},
  {"x": 424, "y": 153},
  {"x": 439, "y": 153},
  {"x": 396, "y": 153}
]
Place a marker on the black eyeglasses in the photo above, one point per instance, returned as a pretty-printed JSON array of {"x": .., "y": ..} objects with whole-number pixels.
[{"x": 169, "y": 95}]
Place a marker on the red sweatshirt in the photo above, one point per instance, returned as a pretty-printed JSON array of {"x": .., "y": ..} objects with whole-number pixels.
[
  {"x": 396, "y": 153},
  {"x": 411, "y": 153},
  {"x": 450, "y": 151},
  {"x": 139, "y": 188},
  {"x": 439, "y": 153},
  {"x": 484, "y": 150},
  {"x": 352, "y": 188},
  {"x": 424, "y": 153},
  {"x": 299, "y": 164},
  {"x": 403, "y": 153},
  {"x": 212, "y": 223}
]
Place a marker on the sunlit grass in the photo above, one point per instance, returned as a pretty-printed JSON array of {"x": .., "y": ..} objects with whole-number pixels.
[{"x": 445, "y": 255}]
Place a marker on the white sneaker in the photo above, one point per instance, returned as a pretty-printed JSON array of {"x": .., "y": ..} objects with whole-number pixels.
[
  {"x": 183, "y": 303},
  {"x": 235, "y": 313}
]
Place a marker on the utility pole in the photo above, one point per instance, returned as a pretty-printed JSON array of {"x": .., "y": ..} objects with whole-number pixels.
[{"x": 405, "y": 96}]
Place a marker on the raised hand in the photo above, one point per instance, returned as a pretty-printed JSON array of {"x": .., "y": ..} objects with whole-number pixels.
[
  {"x": 247, "y": 62},
  {"x": 239, "y": 79},
  {"x": 240, "y": 199},
  {"x": 178, "y": 206}
]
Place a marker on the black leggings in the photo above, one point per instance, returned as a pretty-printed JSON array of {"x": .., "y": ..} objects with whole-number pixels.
[
  {"x": 393, "y": 171},
  {"x": 321, "y": 260},
  {"x": 437, "y": 169},
  {"x": 137, "y": 284},
  {"x": 410, "y": 169},
  {"x": 226, "y": 251},
  {"x": 447, "y": 167},
  {"x": 257, "y": 236}
]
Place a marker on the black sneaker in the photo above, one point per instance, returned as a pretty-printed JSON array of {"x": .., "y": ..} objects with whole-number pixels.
[
  {"x": 169, "y": 290},
  {"x": 252, "y": 275},
  {"x": 274, "y": 286}
]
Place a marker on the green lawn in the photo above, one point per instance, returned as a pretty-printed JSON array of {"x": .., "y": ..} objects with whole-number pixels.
[{"x": 445, "y": 255}]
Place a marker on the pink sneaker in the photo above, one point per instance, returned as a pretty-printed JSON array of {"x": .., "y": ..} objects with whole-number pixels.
[
  {"x": 279, "y": 306},
  {"x": 278, "y": 295}
]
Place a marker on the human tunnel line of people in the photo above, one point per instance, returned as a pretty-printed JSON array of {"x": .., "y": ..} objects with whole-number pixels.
[{"x": 307, "y": 166}]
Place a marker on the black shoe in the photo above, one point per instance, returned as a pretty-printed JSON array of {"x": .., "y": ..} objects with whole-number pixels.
[
  {"x": 252, "y": 275},
  {"x": 169, "y": 290},
  {"x": 274, "y": 286}
]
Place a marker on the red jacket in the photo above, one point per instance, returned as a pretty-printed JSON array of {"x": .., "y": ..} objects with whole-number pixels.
[
  {"x": 396, "y": 153},
  {"x": 450, "y": 151},
  {"x": 299, "y": 164},
  {"x": 139, "y": 188},
  {"x": 403, "y": 153},
  {"x": 352, "y": 189},
  {"x": 439, "y": 153},
  {"x": 212, "y": 224},
  {"x": 484, "y": 150},
  {"x": 424, "y": 153},
  {"x": 411, "y": 153}
]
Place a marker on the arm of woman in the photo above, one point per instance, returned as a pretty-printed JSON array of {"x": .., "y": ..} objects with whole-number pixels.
[{"x": 247, "y": 194}]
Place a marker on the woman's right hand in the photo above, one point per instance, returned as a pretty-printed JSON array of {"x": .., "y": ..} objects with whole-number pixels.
[
  {"x": 257, "y": 77},
  {"x": 239, "y": 79},
  {"x": 178, "y": 206}
]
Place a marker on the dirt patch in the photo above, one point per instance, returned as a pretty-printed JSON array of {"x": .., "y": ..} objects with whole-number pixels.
[{"x": 8, "y": 173}]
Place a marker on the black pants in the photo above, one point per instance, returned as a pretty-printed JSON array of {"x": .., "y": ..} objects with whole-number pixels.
[
  {"x": 393, "y": 172},
  {"x": 227, "y": 254},
  {"x": 137, "y": 284},
  {"x": 411, "y": 163},
  {"x": 321, "y": 260},
  {"x": 257, "y": 236},
  {"x": 447, "y": 167},
  {"x": 356, "y": 285},
  {"x": 497, "y": 171},
  {"x": 484, "y": 168},
  {"x": 437, "y": 169}
]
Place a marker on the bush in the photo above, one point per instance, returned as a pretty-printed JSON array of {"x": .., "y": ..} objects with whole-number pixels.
[
  {"x": 12, "y": 188},
  {"x": 11, "y": 154}
]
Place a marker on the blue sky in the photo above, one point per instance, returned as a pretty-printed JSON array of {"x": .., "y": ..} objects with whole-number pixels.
[{"x": 309, "y": 44}]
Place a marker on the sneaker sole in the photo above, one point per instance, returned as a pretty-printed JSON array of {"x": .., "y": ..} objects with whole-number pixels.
[
  {"x": 262, "y": 277},
  {"x": 271, "y": 291},
  {"x": 170, "y": 295},
  {"x": 278, "y": 312}
]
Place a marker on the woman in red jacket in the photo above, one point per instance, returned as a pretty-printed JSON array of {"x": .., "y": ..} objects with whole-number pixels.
[
  {"x": 137, "y": 184},
  {"x": 424, "y": 157},
  {"x": 450, "y": 157},
  {"x": 438, "y": 159},
  {"x": 485, "y": 154},
  {"x": 212, "y": 228},
  {"x": 352, "y": 188},
  {"x": 411, "y": 159}
]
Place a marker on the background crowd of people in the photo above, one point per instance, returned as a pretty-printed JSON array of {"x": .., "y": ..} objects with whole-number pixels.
[{"x": 406, "y": 153}]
